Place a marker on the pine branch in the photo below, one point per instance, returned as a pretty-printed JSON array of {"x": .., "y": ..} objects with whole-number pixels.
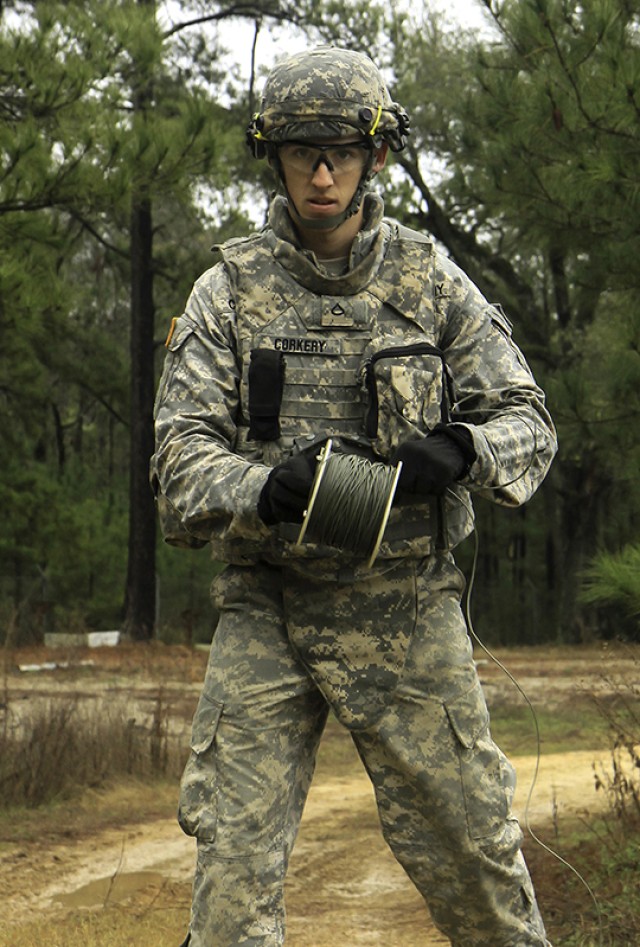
[{"x": 250, "y": 11}]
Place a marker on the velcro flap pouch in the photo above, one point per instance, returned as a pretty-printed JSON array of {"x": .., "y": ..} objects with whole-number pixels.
[{"x": 266, "y": 385}]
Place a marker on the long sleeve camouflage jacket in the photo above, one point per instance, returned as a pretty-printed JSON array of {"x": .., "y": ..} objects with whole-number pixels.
[{"x": 273, "y": 349}]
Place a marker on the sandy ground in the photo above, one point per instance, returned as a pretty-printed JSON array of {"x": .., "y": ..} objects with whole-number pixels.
[
  {"x": 340, "y": 869},
  {"x": 342, "y": 875}
]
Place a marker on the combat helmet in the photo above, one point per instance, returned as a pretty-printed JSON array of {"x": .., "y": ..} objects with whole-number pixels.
[{"x": 327, "y": 93}]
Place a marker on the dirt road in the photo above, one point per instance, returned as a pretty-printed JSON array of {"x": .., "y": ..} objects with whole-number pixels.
[
  {"x": 340, "y": 868},
  {"x": 342, "y": 875}
]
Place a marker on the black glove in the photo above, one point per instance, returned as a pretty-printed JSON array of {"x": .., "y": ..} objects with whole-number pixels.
[
  {"x": 285, "y": 495},
  {"x": 431, "y": 464}
]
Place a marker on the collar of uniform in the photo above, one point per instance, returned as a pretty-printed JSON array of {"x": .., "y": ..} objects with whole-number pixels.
[{"x": 366, "y": 255}]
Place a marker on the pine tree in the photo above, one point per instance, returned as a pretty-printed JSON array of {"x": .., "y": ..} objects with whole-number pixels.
[{"x": 533, "y": 134}]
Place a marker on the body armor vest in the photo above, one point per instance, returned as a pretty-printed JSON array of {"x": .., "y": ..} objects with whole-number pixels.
[
  {"x": 363, "y": 364},
  {"x": 321, "y": 356}
]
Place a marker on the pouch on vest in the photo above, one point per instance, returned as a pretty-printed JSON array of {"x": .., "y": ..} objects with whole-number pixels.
[
  {"x": 266, "y": 385},
  {"x": 408, "y": 392}
]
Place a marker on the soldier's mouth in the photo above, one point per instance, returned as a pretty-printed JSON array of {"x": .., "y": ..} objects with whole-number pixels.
[{"x": 321, "y": 204}]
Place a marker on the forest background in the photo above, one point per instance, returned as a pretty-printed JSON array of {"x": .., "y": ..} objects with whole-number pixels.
[{"x": 123, "y": 160}]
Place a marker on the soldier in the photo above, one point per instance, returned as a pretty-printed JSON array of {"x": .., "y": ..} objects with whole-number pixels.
[{"x": 336, "y": 322}]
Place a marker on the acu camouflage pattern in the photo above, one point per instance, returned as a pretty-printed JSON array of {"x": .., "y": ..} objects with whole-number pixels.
[
  {"x": 402, "y": 678},
  {"x": 397, "y": 292},
  {"x": 302, "y": 630},
  {"x": 326, "y": 93}
]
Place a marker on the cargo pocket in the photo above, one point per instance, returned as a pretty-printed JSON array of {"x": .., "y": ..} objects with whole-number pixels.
[
  {"x": 484, "y": 770},
  {"x": 198, "y": 807}
]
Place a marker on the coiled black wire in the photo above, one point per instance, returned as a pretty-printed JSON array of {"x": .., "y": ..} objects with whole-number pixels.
[{"x": 350, "y": 504}]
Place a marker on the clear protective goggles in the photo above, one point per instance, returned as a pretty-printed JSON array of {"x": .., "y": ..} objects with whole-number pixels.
[{"x": 339, "y": 158}]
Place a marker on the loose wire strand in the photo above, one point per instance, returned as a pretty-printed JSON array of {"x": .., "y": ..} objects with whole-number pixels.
[
  {"x": 536, "y": 724},
  {"x": 532, "y": 426}
]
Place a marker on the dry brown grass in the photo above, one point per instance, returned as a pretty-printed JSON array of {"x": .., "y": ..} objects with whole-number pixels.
[
  {"x": 155, "y": 917},
  {"x": 65, "y": 745}
]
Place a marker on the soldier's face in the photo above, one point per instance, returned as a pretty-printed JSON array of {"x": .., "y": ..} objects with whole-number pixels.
[{"x": 322, "y": 179}]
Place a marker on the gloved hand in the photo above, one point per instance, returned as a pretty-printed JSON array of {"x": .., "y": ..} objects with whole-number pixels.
[
  {"x": 285, "y": 495},
  {"x": 431, "y": 464}
]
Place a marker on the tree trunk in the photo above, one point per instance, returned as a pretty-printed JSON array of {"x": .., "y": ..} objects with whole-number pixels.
[{"x": 140, "y": 594}]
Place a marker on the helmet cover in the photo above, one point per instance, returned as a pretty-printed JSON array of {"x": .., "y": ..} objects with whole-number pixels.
[{"x": 326, "y": 93}]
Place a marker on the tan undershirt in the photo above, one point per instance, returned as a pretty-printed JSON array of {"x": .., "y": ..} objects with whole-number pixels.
[{"x": 335, "y": 267}]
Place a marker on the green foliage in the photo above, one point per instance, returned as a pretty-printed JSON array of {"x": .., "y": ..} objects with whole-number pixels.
[
  {"x": 565, "y": 93},
  {"x": 80, "y": 132},
  {"x": 524, "y": 162},
  {"x": 186, "y": 614},
  {"x": 614, "y": 578},
  {"x": 355, "y": 24}
]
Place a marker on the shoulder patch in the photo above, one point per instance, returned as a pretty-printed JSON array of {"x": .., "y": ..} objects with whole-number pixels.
[{"x": 172, "y": 329}]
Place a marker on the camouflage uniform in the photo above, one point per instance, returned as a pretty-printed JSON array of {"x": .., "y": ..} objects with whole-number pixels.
[{"x": 380, "y": 353}]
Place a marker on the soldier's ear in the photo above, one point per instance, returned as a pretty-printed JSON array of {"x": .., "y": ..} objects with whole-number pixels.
[{"x": 381, "y": 158}]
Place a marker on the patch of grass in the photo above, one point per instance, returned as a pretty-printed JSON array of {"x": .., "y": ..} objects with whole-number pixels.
[
  {"x": 610, "y": 870},
  {"x": 124, "y": 802},
  {"x": 563, "y": 729},
  {"x": 156, "y": 916},
  {"x": 66, "y": 745},
  {"x": 606, "y": 850}
]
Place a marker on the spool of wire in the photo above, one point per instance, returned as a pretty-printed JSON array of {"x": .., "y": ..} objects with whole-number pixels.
[{"x": 350, "y": 503}]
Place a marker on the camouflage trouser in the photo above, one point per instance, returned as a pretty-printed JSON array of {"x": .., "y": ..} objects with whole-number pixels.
[{"x": 388, "y": 649}]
